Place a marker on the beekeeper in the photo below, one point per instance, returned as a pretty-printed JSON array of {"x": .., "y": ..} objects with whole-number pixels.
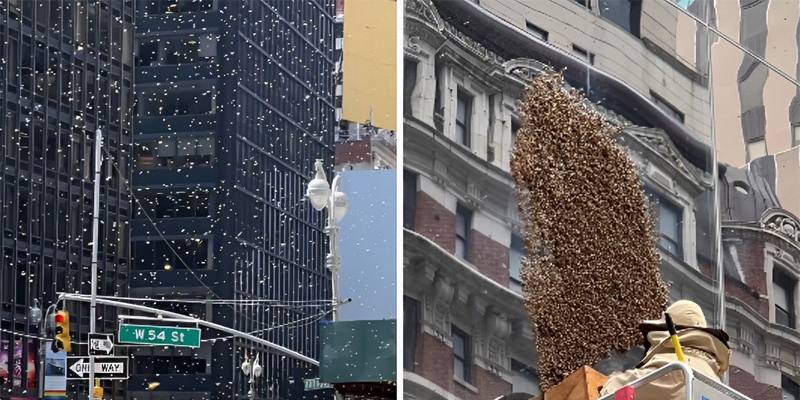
[{"x": 706, "y": 350}]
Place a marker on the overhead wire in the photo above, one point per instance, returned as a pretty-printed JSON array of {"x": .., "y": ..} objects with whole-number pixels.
[{"x": 114, "y": 166}]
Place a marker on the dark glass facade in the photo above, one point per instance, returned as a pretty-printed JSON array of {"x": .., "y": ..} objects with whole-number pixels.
[
  {"x": 234, "y": 103},
  {"x": 66, "y": 70}
]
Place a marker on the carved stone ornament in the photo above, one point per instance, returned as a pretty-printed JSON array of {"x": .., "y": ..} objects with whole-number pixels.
[
  {"x": 496, "y": 353},
  {"x": 412, "y": 44},
  {"x": 783, "y": 224},
  {"x": 525, "y": 68},
  {"x": 662, "y": 146},
  {"x": 426, "y": 11},
  {"x": 437, "y": 315}
]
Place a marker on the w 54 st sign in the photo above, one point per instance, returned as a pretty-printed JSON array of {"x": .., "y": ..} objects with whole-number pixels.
[{"x": 159, "y": 335}]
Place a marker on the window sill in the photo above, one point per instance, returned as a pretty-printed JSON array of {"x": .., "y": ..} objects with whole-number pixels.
[{"x": 465, "y": 384}]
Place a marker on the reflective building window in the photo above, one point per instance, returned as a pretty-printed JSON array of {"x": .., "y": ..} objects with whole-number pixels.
[
  {"x": 625, "y": 13},
  {"x": 756, "y": 148}
]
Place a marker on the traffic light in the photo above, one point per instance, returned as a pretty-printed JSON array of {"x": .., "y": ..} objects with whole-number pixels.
[
  {"x": 98, "y": 390},
  {"x": 61, "y": 341}
]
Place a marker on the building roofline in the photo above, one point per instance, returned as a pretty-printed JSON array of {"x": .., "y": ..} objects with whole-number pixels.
[{"x": 511, "y": 42}]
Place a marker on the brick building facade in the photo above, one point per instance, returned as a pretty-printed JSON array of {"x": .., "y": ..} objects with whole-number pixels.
[{"x": 646, "y": 66}]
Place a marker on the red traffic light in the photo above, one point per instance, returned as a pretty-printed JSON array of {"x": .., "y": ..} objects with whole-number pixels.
[
  {"x": 626, "y": 393},
  {"x": 59, "y": 318}
]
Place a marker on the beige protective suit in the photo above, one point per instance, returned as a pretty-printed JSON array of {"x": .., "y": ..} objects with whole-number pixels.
[{"x": 705, "y": 354}]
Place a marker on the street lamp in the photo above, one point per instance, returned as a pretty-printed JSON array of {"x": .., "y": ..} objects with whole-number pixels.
[
  {"x": 323, "y": 196},
  {"x": 35, "y": 313},
  {"x": 253, "y": 371}
]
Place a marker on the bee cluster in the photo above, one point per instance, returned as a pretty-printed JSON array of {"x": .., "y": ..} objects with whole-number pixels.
[{"x": 593, "y": 270}]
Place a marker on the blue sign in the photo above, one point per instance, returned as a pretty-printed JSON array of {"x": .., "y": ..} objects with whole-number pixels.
[{"x": 55, "y": 374}]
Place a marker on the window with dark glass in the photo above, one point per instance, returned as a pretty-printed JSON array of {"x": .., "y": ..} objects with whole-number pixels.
[
  {"x": 463, "y": 226},
  {"x": 409, "y": 198},
  {"x": 175, "y": 365},
  {"x": 409, "y": 82},
  {"x": 147, "y": 53},
  {"x": 516, "y": 254},
  {"x": 583, "y": 54},
  {"x": 462, "y": 355},
  {"x": 795, "y": 135},
  {"x": 180, "y": 50},
  {"x": 437, "y": 99},
  {"x": 524, "y": 379},
  {"x": 789, "y": 388},
  {"x": 174, "y": 204},
  {"x": 463, "y": 117},
  {"x": 177, "y": 6},
  {"x": 537, "y": 32},
  {"x": 515, "y": 125},
  {"x": 155, "y": 254},
  {"x": 669, "y": 219},
  {"x": 783, "y": 286},
  {"x": 668, "y": 108},
  {"x": 180, "y": 102},
  {"x": 175, "y": 152},
  {"x": 410, "y": 328},
  {"x": 584, "y": 3},
  {"x": 627, "y": 14}
]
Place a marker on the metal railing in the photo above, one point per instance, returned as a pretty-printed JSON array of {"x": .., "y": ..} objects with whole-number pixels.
[{"x": 696, "y": 386}]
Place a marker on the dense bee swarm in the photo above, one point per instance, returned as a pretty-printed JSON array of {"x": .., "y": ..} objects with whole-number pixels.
[{"x": 592, "y": 273}]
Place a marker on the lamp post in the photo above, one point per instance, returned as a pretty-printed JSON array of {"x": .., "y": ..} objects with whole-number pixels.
[
  {"x": 323, "y": 196},
  {"x": 35, "y": 313},
  {"x": 253, "y": 371}
]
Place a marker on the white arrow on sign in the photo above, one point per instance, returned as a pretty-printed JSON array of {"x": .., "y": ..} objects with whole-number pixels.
[
  {"x": 104, "y": 345},
  {"x": 81, "y": 367}
]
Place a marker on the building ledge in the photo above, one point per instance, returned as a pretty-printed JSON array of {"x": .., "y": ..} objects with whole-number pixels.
[
  {"x": 424, "y": 256},
  {"x": 465, "y": 384},
  {"x": 418, "y": 387}
]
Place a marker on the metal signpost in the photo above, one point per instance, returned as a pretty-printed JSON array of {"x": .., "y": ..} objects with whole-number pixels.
[{"x": 159, "y": 335}]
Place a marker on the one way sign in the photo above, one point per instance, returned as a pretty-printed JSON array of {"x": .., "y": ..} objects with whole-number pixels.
[{"x": 104, "y": 367}]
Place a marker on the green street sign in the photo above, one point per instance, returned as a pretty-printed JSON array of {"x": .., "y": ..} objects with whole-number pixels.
[
  {"x": 315, "y": 384},
  {"x": 159, "y": 335}
]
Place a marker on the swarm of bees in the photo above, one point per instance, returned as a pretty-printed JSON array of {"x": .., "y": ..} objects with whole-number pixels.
[{"x": 593, "y": 271}]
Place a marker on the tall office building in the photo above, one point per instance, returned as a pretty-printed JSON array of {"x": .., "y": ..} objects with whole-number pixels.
[
  {"x": 66, "y": 70},
  {"x": 234, "y": 103}
]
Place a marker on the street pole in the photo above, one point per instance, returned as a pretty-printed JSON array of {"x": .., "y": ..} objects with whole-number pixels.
[
  {"x": 98, "y": 163},
  {"x": 43, "y": 347},
  {"x": 333, "y": 259}
]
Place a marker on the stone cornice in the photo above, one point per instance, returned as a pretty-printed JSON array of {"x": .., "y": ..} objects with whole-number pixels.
[
  {"x": 658, "y": 143},
  {"x": 502, "y": 305},
  {"x": 779, "y": 225}
]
